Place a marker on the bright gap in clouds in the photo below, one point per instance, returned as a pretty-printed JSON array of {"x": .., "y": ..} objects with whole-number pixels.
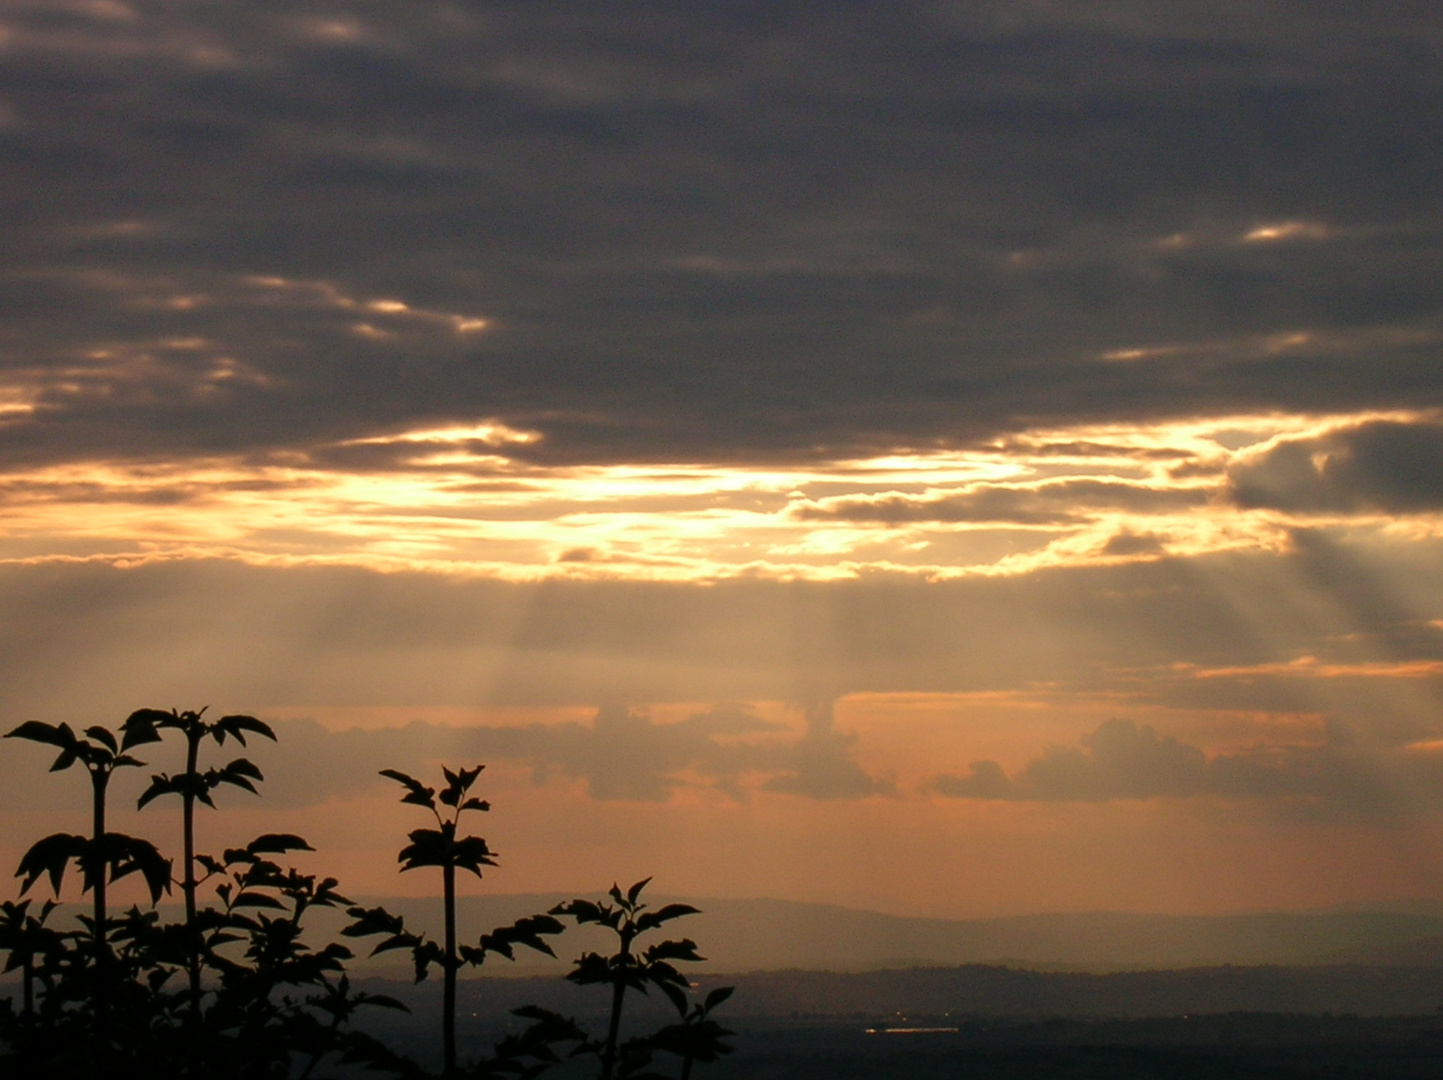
[{"x": 461, "y": 499}]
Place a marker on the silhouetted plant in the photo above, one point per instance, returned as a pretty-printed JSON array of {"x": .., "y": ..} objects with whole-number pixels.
[
  {"x": 533, "y": 1051},
  {"x": 627, "y": 969},
  {"x": 263, "y": 906},
  {"x": 276, "y": 1002},
  {"x": 34, "y": 948},
  {"x": 256, "y": 999},
  {"x": 101, "y": 753},
  {"x": 192, "y": 785},
  {"x": 696, "y": 1037},
  {"x": 442, "y": 848}
]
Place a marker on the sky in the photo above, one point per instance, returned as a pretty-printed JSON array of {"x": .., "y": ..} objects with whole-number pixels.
[{"x": 947, "y": 458}]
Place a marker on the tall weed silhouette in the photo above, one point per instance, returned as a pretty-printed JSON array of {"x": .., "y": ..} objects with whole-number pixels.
[
  {"x": 696, "y": 1037},
  {"x": 104, "y": 857},
  {"x": 444, "y": 849},
  {"x": 194, "y": 786}
]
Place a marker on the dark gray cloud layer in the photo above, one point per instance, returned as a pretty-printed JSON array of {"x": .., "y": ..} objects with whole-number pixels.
[
  {"x": 714, "y": 230},
  {"x": 1380, "y": 467}
]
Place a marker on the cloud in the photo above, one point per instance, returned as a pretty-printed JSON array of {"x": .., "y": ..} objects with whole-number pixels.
[
  {"x": 1066, "y": 502},
  {"x": 1121, "y": 760},
  {"x": 1381, "y": 466},
  {"x": 621, "y": 755},
  {"x": 1117, "y": 761},
  {"x": 820, "y": 765},
  {"x": 624, "y": 755},
  {"x": 818, "y": 230}
]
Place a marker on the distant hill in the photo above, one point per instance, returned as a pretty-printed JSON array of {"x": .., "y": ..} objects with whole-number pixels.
[
  {"x": 1420, "y": 952},
  {"x": 770, "y": 935}
]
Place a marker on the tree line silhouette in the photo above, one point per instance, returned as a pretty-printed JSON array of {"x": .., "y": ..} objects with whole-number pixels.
[{"x": 236, "y": 989}]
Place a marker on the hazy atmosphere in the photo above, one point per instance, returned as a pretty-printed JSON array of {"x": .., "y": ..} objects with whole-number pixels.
[{"x": 951, "y": 459}]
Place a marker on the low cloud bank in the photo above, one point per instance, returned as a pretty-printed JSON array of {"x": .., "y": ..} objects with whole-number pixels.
[{"x": 1122, "y": 760}]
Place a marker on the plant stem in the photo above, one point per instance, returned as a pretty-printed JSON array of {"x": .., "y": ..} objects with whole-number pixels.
[
  {"x": 613, "y": 1030},
  {"x": 448, "y": 1004},
  {"x": 29, "y": 975},
  {"x": 188, "y": 885},
  {"x": 99, "y": 778}
]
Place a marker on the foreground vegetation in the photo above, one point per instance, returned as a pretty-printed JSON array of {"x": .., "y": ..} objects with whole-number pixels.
[{"x": 237, "y": 988}]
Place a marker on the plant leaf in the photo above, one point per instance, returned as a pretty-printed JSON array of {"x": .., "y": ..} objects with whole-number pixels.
[
  {"x": 417, "y": 792},
  {"x": 652, "y": 919},
  {"x": 50, "y": 856},
  {"x": 104, "y": 737},
  {"x": 237, "y": 725},
  {"x": 35, "y": 731},
  {"x": 277, "y": 844},
  {"x": 159, "y": 785},
  {"x": 140, "y": 727},
  {"x": 674, "y": 950}
]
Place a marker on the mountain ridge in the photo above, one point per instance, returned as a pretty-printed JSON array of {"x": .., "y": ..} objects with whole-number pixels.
[{"x": 763, "y": 934}]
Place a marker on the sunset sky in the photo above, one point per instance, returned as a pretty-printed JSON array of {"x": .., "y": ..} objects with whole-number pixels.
[{"x": 948, "y": 458}]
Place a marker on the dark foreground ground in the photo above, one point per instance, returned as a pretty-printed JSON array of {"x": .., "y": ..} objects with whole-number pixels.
[
  {"x": 1240, "y": 1046},
  {"x": 980, "y": 1023}
]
